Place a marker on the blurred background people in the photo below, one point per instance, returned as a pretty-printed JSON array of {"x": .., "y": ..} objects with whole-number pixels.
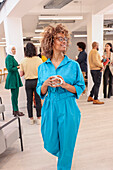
[
  {"x": 28, "y": 68},
  {"x": 82, "y": 57},
  {"x": 96, "y": 68},
  {"x": 13, "y": 80},
  {"x": 82, "y": 60},
  {"x": 42, "y": 56},
  {"x": 108, "y": 70}
]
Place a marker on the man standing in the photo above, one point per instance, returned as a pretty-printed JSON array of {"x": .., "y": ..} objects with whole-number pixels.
[{"x": 96, "y": 68}]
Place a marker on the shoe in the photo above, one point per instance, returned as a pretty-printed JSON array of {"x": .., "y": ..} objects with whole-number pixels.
[
  {"x": 32, "y": 121},
  {"x": 17, "y": 113},
  {"x": 38, "y": 121},
  {"x": 90, "y": 99},
  {"x": 97, "y": 102}
]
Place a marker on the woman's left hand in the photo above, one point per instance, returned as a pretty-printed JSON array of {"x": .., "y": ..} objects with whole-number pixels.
[
  {"x": 63, "y": 83},
  {"x": 67, "y": 86}
]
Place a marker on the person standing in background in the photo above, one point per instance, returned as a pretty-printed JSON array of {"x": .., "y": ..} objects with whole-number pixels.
[
  {"x": 28, "y": 68},
  {"x": 82, "y": 57},
  {"x": 13, "y": 80},
  {"x": 108, "y": 69},
  {"x": 82, "y": 60},
  {"x": 42, "y": 56},
  {"x": 96, "y": 68}
]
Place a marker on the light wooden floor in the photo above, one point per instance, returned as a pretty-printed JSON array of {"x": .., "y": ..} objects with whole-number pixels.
[{"x": 94, "y": 147}]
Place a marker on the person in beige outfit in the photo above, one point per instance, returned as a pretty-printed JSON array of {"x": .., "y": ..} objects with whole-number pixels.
[
  {"x": 96, "y": 68},
  {"x": 28, "y": 68}
]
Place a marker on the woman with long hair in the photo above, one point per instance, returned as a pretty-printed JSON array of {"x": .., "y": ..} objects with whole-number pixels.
[
  {"x": 28, "y": 68},
  {"x": 108, "y": 69}
]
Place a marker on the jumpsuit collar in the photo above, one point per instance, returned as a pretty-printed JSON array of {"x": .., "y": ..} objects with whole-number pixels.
[{"x": 63, "y": 62}]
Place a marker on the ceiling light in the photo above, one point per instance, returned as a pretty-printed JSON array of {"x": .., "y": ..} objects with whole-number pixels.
[
  {"x": 36, "y": 37},
  {"x": 60, "y": 17},
  {"x": 108, "y": 29},
  {"x": 3, "y": 38},
  {"x": 2, "y": 42},
  {"x": 2, "y": 45},
  {"x": 37, "y": 44},
  {"x": 1, "y": 0},
  {"x": 52, "y": 4},
  {"x": 39, "y": 30},
  {"x": 80, "y": 35}
]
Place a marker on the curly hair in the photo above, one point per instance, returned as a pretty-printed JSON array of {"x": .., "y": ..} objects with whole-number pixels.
[
  {"x": 30, "y": 50},
  {"x": 49, "y": 35}
]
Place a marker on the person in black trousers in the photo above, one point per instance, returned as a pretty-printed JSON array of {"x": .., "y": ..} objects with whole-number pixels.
[
  {"x": 96, "y": 68},
  {"x": 108, "y": 69},
  {"x": 28, "y": 68},
  {"x": 82, "y": 57},
  {"x": 82, "y": 60}
]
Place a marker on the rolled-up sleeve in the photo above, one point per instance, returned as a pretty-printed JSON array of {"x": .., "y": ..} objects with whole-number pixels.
[
  {"x": 39, "y": 84},
  {"x": 79, "y": 82}
]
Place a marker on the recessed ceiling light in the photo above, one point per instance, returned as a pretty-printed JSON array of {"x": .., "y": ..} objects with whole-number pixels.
[
  {"x": 37, "y": 44},
  {"x": 2, "y": 42},
  {"x": 36, "y": 37},
  {"x": 3, "y": 45},
  {"x": 60, "y": 17},
  {"x": 108, "y": 29},
  {"x": 80, "y": 35},
  {"x": 3, "y": 38},
  {"x": 39, "y": 30}
]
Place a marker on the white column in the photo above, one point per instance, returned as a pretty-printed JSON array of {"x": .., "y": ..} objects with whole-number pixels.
[
  {"x": 14, "y": 35},
  {"x": 95, "y": 33}
]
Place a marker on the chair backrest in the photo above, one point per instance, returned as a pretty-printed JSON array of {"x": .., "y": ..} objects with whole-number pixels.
[{"x": 5, "y": 70}]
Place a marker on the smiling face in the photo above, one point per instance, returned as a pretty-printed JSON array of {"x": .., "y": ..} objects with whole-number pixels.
[
  {"x": 60, "y": 42},
  {"x": 107, "y": 47},
  {"x": 13, "y": 50}
]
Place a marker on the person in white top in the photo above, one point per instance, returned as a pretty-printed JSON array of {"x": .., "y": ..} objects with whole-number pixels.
[{"x": 108, "y": 69}]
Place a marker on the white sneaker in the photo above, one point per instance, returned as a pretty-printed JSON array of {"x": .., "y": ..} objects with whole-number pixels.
[
  {"x": 38, "y": 121},
  {"x": 31, "y": 121}
]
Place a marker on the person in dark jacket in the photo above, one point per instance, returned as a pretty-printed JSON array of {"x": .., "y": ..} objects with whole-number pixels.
[
  {"x": 82, "y": 60},
  {"x": 13, "y": 80},
  {"x": 82, "y": 57}
]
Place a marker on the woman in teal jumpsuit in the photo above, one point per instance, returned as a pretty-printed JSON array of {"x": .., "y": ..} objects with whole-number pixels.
[
  {"x": 60, "y": 113},
  {"x": 13, "y": 80}
]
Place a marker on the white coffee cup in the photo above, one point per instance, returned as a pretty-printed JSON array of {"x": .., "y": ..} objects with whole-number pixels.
[{"x": 56, "y": 77}]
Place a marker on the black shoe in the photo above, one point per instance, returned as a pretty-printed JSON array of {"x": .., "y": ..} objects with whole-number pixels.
[{"x": 17, "y": 113}]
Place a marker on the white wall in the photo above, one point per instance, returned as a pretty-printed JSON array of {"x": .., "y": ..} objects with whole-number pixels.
[{"x": 2, "y": 57}]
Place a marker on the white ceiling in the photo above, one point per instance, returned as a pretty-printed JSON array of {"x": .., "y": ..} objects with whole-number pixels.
[{"x": 29, "y": 12}]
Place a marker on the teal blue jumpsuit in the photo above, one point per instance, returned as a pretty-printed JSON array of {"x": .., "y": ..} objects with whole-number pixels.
[{"x": 60, "y": 113}]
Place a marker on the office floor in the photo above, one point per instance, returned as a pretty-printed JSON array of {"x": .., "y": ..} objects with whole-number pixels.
[{"x": 94, "y": 147}]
